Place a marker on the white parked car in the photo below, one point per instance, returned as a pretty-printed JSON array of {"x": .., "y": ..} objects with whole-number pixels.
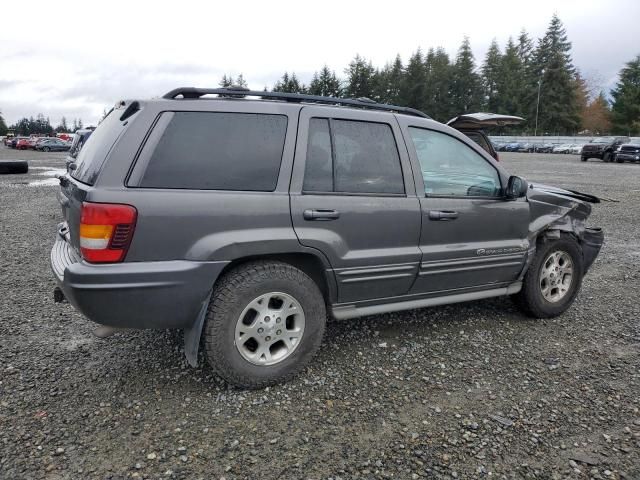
[
  {"x": 575, "y": 148},
  {"x": 564, "y": 148}
]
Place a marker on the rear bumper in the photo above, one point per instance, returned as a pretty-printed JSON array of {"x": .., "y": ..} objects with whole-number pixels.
[
  {"x": 166, "y": 294},
  {"x": 629, "y": 157}
]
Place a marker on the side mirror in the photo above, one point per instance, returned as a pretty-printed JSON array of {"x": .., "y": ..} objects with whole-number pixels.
[{"x": 516, "y": 188}]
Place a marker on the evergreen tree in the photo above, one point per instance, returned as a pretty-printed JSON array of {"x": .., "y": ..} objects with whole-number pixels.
[
  {"x": 387, "y": 83},
  {"x": 359, "y": 81},
  {"x": 413, "y": 88},
  {"x": 62, "y": 128},
  {"x": 325, "y": 83},
  {"x": 226, "y": 81},
  {"x": 558, "y": 110},
  {"x": 511, "y": 82},
  {"x": 74, "y": 128},
  {"x": 3, "y": 126},
  {"x": 466, "y": 87},
  {"x": 524, "y": 48},
  {"x": 491, "y": 73},
  {"x": 80, "y": 125},
  {"x": 626, "y": 99},
  {"x": 241, "y": 82},
  {"x": 288, "y": 84},
  {"x": 439, "y": 77}
]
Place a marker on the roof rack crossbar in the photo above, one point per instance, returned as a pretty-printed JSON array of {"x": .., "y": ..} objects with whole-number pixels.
[{"x": 195, "y": 93}]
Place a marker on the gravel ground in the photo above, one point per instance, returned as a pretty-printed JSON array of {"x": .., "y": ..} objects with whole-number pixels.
[{"x": 465, "y": 391}]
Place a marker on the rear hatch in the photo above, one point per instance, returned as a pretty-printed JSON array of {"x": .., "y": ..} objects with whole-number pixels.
[
  {"x": 84, "y": 171},
  {"x": 481, "y": 120}
]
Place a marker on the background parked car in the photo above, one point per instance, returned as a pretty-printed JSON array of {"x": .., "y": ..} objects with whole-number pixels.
[
  {"x": 575, "y": 149},
  {"x": 602, "y": 147},
  {"x": 512, "y": 147},
  {"x": 23, "y": 144},
  {"x": 628, "y": 152},
  {"x": 564, "y": 148},
  {"x": 81, "y": 136},
  {"x": 53, "y": 145},
  {"x": 525, "y": 147},
  {"x": 544, "y": 148}
]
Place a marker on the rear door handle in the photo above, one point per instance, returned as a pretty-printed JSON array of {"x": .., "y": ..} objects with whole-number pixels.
[
  {"x": 442, "y": 215},
  {"x": 321, "y": 214}
]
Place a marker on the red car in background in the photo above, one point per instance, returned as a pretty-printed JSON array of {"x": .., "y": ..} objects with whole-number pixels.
[{"x": 23, "y": 144}]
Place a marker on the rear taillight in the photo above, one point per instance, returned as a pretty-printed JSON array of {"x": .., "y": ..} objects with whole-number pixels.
[{"x": 106, "y": 230}]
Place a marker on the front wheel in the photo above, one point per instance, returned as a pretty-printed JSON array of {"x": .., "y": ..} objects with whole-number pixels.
[
  {"x": 553, "y": 279},
  {"x": 46, "y": 149},
  {"x": 583, "y": 159},
  {"x": 606, "y": 158},
  {"x": 265, "y": 323}
]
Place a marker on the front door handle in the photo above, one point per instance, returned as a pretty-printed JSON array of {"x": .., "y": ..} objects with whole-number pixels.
[
  {"x": 321, "y": 214},
  {"x": 444, "y": 215}
]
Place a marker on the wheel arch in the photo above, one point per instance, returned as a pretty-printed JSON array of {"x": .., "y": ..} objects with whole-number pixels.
[{"x": 310, "y": 261}]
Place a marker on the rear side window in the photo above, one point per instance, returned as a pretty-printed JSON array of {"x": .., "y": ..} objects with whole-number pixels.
[
  {"x": 218, "y": 151},
  {"x": 352, "y": 157}
]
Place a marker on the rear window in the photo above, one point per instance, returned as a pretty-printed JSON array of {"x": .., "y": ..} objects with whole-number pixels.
[
  {"x": 218, "y": 151},
  {"x": 95, "y": 149}
]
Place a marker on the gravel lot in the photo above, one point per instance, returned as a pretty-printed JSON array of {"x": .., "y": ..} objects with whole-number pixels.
[{"x": 466, "y": 391}]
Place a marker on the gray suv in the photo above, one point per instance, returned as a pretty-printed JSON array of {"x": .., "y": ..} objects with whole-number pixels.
[{"x": 247, "y": 218}]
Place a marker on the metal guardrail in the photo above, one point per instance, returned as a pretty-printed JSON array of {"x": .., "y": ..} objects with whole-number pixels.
[{"x": 556, "y": 140}]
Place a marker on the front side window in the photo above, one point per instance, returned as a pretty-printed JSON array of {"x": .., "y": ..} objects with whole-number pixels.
[
  {"x": 218, "y": 151},
  {"x": 348, "y": 156},
  {"x": 451, "y": 168}
]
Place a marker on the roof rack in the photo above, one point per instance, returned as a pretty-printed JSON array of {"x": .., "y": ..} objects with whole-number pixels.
[{"x": 195, "y": 93}]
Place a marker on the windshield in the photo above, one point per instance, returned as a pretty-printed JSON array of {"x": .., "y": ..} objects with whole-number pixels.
[{"x": 602, "y": 140}]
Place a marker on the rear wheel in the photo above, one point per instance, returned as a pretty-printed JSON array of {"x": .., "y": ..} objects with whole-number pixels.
[
  {"x": 265, "y": 323},
  {"x": 553, "y": 279},
  {"x": 606, "y": 158},
  {"x": 583, "y": 159},
  {"x": 45, "y": 149}
]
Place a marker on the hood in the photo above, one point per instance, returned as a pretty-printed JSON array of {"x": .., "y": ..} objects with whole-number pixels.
[
  {"x": 480, "y": 120},
  {"x": 558, "y": 208}
]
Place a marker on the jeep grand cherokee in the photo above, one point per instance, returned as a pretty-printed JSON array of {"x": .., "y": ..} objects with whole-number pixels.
[{"x": 250, "y": 216}]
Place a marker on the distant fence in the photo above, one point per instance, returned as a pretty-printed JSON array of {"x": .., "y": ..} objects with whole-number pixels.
[{"x": 546, "y": 139}]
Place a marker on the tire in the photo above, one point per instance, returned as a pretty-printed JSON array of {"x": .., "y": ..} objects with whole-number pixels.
[
  {"x": 619, "y": 160},
  {"x": 606, "y": 158},
  {"x": 16, "y": 166},
  {"x": 231, "y": 311},
  {"x": 531, "y": 299},
  {"x": 583, "y": 159},
  {"x": 46, "y": 149}
]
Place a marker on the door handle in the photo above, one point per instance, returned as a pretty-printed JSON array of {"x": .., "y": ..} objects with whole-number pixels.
[
  {"x": 443, "y": 215},
  {"x": 321, "y": 214}
]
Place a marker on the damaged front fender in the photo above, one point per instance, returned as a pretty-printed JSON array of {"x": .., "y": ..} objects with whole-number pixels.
[{"x": 554, "y": 210}]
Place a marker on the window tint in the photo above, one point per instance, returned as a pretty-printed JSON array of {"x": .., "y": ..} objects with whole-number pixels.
[
  {"x": 96, "y": 148},
  {"x": 365, "y": 158},
  {"x": 218, "y": 151},
  {"x": 449, "y": 167},
  {"x": 318, "y": 174}
]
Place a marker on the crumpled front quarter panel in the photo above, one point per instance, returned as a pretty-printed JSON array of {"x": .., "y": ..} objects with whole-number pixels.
[{"x": 550, "y": 209}]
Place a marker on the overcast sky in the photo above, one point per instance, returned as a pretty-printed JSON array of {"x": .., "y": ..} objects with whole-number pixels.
[{"x": 75, "y": 60}]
